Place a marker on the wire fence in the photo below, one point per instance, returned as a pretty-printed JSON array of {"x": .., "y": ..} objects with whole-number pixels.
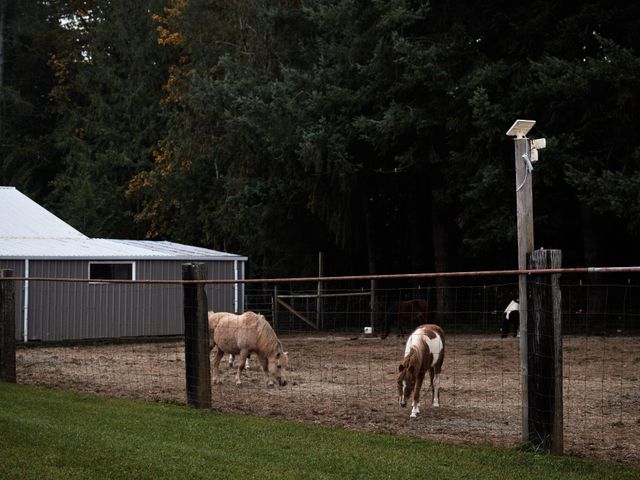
[{"x": 340, "y": 375}]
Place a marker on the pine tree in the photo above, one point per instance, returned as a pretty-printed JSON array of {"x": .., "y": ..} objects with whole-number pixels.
[
  {"x": 110, "y": 74},
  {"x": 28, "y": 38}
]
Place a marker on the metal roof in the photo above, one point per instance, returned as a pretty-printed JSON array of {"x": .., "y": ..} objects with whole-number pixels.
[
  {"x": 21, "y": 217},
  {"x": 178, "y": 249},
  {"x": 103, "y": 249},
  {"x": 29, "y": 231}
]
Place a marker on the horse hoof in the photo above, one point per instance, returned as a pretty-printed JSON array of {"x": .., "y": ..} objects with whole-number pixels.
[
  {"x": 270, "y": 384},
  {"x": 413, "y": 416}
]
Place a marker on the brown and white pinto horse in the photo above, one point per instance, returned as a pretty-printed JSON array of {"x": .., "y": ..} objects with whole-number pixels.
[{"x": 424, "y": 352}]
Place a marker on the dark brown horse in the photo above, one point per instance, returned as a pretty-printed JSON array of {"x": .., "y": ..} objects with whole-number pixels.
[
  {"x": 405, "y": 317},
  {"x": 424, "y": 352}
]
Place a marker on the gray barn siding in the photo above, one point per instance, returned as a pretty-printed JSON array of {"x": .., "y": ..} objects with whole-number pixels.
[{"x": 71, "y": 311}]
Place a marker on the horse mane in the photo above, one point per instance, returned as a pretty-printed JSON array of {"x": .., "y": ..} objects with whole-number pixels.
[
  {"x": 415, "y": 357},
  {"x": 214, "y": 318},
  {"x": 267, "y": 336},
  {"x": 419, "y": 351}
]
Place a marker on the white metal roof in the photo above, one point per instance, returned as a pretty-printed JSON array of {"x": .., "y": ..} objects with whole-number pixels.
[
  {"x": 103, "y": 249},
  {"x": 178, "y": 249},
  {"x": 21, "y": 217},
  {"x": 28, "y": 231}
]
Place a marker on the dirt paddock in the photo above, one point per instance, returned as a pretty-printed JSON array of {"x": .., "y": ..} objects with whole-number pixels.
[{"x": 350, "y": 382}]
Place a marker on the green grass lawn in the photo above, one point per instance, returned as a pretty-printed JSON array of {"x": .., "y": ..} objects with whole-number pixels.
[{"x": 47, "y": 434}]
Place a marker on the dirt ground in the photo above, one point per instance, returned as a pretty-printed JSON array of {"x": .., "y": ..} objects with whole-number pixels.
[{"x": 350, "y": 382}]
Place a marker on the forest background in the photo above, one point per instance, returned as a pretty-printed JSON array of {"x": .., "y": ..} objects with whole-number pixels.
[{"x": 373, "y": 131}]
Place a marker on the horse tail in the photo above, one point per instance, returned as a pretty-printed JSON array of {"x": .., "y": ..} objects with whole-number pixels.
[{"x": 212, "y": 327}]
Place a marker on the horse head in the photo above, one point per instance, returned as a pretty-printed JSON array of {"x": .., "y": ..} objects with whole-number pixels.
[
  {"x": 407, "y": 377},
  {"x": 277, "y": 365}
]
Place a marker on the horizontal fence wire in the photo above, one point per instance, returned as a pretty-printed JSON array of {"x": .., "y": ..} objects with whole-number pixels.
[{"x": 126, "y": 340}]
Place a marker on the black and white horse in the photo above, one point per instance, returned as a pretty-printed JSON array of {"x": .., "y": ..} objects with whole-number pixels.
[{"x": 511, "y": 319}]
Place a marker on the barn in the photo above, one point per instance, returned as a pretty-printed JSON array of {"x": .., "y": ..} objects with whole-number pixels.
[{"x": 36, "y": 244}]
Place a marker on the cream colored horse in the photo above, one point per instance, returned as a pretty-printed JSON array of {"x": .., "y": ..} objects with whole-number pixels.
[{"x": 245, "y": 334}]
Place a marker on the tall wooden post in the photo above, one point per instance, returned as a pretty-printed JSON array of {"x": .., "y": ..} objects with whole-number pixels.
[
  {"x": 319, "y": 315},
  {"x": 545, "y": 353},
  {"x": 7, "y": 328},
  {"x": 196, "y": 337},
  {"x": 524, "y": 207},
  {"x": 373, "y": 307},
  {"x": 275, "y": 308}
]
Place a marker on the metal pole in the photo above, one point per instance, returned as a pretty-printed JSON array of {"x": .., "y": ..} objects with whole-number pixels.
[
  {"x": 524, "y": 207},
  {"x": 25, "y": 304}
]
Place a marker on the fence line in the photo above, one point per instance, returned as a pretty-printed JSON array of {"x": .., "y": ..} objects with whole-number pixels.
[
  {"x": 339, "y": 377},
  {"x": 399, "y": 276}
]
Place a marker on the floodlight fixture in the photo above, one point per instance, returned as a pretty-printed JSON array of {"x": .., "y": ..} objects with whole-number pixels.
[
  {"x": 539, "y": 143},
  {"x": 535, "y": 145},
  {"x": 520, "y": 128}
]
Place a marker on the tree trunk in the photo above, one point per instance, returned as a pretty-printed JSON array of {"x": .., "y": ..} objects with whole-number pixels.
[
  {"x": 594, "y": 302},
  {"x": 589, "y": 238},
  {"x": 418, "y": 228},
  {"x": 369, "y": 231},
  {"x": 2, "y": 22},
  {"x": 441, "y": 263}
]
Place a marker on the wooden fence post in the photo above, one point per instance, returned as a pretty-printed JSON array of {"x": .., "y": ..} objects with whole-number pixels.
[
  {"x": 196, "y": 337},
  {"x": 319, "y": 310},
  {"x": 275, "y": 308},
  {"x": 7, "y": 328},
  {"x": 544, "y": 337},
  {"x": 373, "y": 307}
]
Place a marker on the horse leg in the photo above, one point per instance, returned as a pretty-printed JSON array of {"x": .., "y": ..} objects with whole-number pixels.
[
  {"x": 515, "y": 319},
  {"x": 241, "y": 363},
  {"x": 216, "y": 365},
  {"x": 504, "y": 331},
  {"x": 264, "y": 363},
  {"x": 387, "y": 326},
  {"x": 434, "y": 373},
  {"x": 415, "y": 405},
  {"x": 247, "y": 364}
]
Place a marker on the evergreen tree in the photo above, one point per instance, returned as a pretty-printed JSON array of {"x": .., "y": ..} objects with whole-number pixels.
[
  {"x": 360, "y": 127},
  {"x": 110, "y": 74},
  {"x": 28, "y": 37}
]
